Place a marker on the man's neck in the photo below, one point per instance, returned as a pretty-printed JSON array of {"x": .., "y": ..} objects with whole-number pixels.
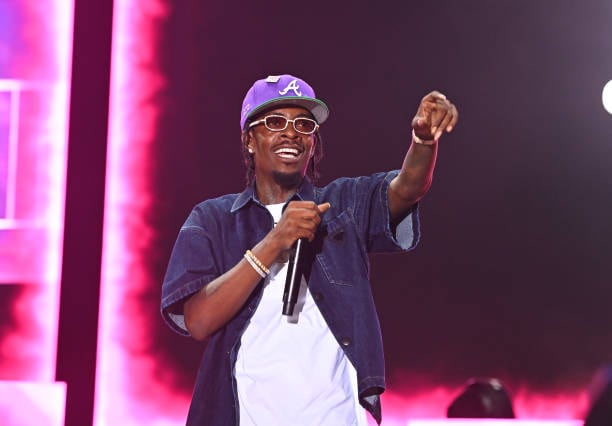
[{"x": 277, "y": 190}]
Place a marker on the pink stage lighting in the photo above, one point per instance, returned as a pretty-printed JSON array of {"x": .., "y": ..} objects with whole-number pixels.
[
  {"x": 129, "y": 391},
  {"x": 431, "y": 405},
  {"x": 493, "y": 422},
  {"x": 35, "y": 50}
]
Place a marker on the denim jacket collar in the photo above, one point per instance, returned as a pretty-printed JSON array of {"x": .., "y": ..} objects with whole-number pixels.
[{"x": 304, "y": 192}]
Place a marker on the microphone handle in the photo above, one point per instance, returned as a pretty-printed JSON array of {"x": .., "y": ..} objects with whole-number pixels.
[{"x": 294, "y": 277}]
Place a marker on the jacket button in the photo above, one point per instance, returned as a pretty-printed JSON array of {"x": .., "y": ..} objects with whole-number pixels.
[
  {"x": 345, "y": 341},
  {"x": 317, "y": 296}
]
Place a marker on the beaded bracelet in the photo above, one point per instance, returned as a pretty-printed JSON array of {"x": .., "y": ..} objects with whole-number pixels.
[{"x": 256, "y": 264}]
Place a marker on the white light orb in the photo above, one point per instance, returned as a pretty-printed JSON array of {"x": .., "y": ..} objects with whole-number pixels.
[{"x": 606, "y": 96}]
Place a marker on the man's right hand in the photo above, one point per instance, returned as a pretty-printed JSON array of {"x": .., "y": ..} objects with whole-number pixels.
[{"x": 299, "y": 220}]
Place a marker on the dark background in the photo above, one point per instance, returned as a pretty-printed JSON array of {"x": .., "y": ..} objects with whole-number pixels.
[{"x": 512, "y": 277}]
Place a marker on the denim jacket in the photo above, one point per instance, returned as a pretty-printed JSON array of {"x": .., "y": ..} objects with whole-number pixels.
[{"x": 215, "y": 237}]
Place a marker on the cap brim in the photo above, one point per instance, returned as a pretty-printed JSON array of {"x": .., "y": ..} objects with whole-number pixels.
[{"x": 317, "y": 108}]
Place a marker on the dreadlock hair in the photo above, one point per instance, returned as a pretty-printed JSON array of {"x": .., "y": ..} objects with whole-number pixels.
[{"x": 312, "y": 171}]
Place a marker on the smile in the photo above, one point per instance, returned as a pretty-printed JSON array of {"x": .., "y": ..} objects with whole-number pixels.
[{"x": 289, "y": 153}]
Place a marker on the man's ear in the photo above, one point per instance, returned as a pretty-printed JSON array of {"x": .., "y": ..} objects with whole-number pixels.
[{"x": 246, "y": 140}]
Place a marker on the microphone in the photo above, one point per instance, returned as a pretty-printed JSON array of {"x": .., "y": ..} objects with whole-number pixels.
[{"x": 294, "y": 276}]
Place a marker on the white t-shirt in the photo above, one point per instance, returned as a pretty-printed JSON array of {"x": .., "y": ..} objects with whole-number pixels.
[{"x": 291, "y": 370}]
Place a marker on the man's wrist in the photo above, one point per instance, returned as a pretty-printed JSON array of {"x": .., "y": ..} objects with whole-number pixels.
[{"x": 420, "y": 141}]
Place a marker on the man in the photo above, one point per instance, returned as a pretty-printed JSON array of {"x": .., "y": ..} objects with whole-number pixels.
[{"x": 264, "y": 365}]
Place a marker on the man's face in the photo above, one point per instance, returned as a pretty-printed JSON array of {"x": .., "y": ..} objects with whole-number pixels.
[{"x": 283, "y": 155}]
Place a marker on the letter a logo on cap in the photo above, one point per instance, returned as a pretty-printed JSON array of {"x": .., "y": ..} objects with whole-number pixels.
[{"x": 291, "y": 86}]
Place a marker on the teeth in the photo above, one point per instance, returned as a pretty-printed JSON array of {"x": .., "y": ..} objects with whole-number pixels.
[{"x": 287, "y": 151}]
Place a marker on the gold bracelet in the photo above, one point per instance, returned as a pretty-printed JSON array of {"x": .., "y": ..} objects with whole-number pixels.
[
  {"x": 420, "y": 141},
  {"x": 254, "y": 265},
  {"x": 254, "y": 258}
]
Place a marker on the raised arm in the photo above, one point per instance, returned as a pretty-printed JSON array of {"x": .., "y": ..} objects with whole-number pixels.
[{"x": 435, "y": 115}]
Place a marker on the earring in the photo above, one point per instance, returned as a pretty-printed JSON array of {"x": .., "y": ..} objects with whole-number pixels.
[{"x": 250, "y": 150}]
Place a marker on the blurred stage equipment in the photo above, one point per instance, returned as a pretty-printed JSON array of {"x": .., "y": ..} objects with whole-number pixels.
[
  {"x": 600, "y": 392},
  {"x": 482, "y": 398}
]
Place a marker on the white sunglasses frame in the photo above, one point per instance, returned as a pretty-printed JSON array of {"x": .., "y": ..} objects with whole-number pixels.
[{"x": 292, "y": 121}]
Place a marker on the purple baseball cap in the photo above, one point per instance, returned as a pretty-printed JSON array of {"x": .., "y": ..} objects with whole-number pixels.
[{"x": 277, "y": 90}]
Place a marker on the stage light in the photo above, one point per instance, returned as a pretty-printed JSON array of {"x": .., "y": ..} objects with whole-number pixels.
[
  {"x": 600, "y": 411},
  {"x": 35, "y": 58},
  {"x": 482, "y": 398},
  {"x": 606, "y": 96},
  {"x": 130, "y": 390},
  {"x": 492, "y": 422}
]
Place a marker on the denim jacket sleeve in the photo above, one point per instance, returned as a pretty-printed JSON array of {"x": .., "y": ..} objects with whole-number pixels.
[
  {"x": 406, "y": 234},
  {"x": 368, "y": 203},
  {"x": 190, "y": 268}
]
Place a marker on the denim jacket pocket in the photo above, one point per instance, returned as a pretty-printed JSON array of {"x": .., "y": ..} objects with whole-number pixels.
[{"x": 343, "y": 258}]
